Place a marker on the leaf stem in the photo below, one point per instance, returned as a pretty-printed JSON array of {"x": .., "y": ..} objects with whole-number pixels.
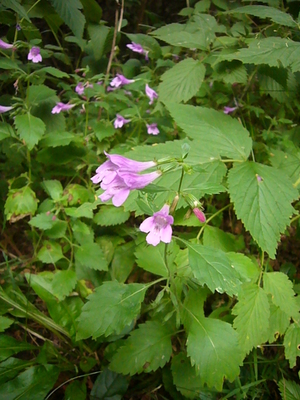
[{"x": 210, "y": 218}]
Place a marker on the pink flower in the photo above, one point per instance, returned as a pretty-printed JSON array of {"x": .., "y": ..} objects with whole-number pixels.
[
  {"x": 158, "y": 226},
  {"x": 199, "y": 214},
  {"x": 108, "y": 171},
  {"x": 34, "y": 55},
  {"x": 118, "y": 176},
  {"x": 4, "y": 45},
  {"x": 61, "y": 107},
  {"x": 152, "y": 129},
  {"x": 151, "y": 93},
  {"x": 79, "y": 88},
  {"x": 120, "y": 121},
  {"x": 120, "y": 81},
  {"x": 138, "y": 48},
  {"x": 228, "y": 110},
  {"x": 4, "y": 109}
]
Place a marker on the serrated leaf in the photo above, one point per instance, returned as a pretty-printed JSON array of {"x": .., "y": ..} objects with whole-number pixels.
[
  {"x": 213, "y": 130},
  {"x": 109, "y": 215},
  {"x": 90, "y": 255},
  {"x": 273, "y": 51},
  {"x": 50, "y": 252},
  {"x": 246, "y": 268},
  {"x": 85, "y": 210},
  {"x": 40, "y": 93},
  {"x": 42, "y": 221},
  {"x": 182, "y": 82},
  {"x": 279, "y": 322},
  {"x": 287, "y": 162},
  {"x": 213, "y": 268},
  {"x": 187, "y": 382},
  {"x": 55, "y": 139},
  {"x": 30, "y": 129},
  {"x": 123, "y": 261},
  {"x": 148, "y": 348},
  {"x": 70, "y": 14},
  {"x": 53, "y": 188},
  {"x": 108, "y": 386},
  {"x": 289, "y": 390},
  {"x": 20, "y": 203},
  {"x": 5, "y": 323},
  {"x": 291, "y": 344},
  {"x": 17, "y": 7},
  {"x": 277, "y": 16},
  {"x": 110, "y": 309},
  {"x": 252, "y": 321},
  {"x": 63, "y": 283},
  {"x": 6, "y": 131},
  {"x": 153, "y": 259},
  {"x": 230, "y": 72},
  {"x": 98, "y": 34},
  {"x": 278, "y": 285},
  {"x": 252, "y": 189},
  {"x": 213, "y": 348},
  {"x": 225, "y": 241},
  {"x": 53, "y": 71},
  {"x": 34, "y": 383}
]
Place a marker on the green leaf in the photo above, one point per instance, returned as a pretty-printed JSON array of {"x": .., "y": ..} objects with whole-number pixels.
[
  {"x": 15, "y": 6},
  {"x": 63, "y": 283},
  {"x": 85, "y": 210},
  {"x": 123, "y": 261},
  {"x": 213, "y": 348},
  {"x": 70, "y": 14},
  {"x": 246, "y": 268},
  {"x": 148, "y": 348},
  {"x": 76, "y": 390},
  {"x": 262, "y": 198},
  {"x": 149, "y": 44},
  {"x": 181, "y": 82},
  {"x": 289, "y": 390},
  {"x": 50, "y": 252},
  {"x": 20, "y": 203},
  {"x": 212, "y": 267},
  {"x": 42, "y": 221},
  {"x": 274, "y": 51},
  {"x": 40, "y": 93},
  {"x": 252, "y": 321},
  {"x": 187, "y": 382},
  {"x": 109, "y": 215},
  {"x": 104, "y": 129},
  {"x": 98, "y": 34},
  {"x": 152, "y": 259},
  {"x": 55, "y": 139},
  {"x": 10, "y": 368},
  {"x": 53, "y": 188},
  {"x": 90, "y": 255},
  {"x": 33, "y": 384},
  {"x": 277, "y": 16},
  {"x": 291, "y": 344},
  {"x": 213, "y": 130},
  {"x": 217, "y": 238},
  {"x": 279, "y": 322},
  {"x": 6, "y": 131},
  {"x": 92, "y": 10},
  {"x": 30, "y": 129},
  {"x": 230, "y": 72},
  {"x": 10, "y": 346},
  {"x": 4, "y": 324},
  {"x": 109, "y": 386},
  {"x": 289, "y": 163},
  {"x": 111, "y": 308},
  {"x": 53, "y": 71},
  {"x": 278, "y": 285}
]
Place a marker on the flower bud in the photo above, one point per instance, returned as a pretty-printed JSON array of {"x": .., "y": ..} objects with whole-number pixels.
[{"x": 199, "y": 214}]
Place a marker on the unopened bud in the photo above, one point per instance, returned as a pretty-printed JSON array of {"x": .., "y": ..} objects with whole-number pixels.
[
  {"x": 199, "y": 214},
  {"x": 174, "y": 204}
]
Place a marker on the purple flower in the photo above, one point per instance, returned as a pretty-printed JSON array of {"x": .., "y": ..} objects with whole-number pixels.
[
  {"x": 108, "y": 171},
  {"x": 199, "y": 214},
  {"x": 120, "y": 81},
  {"x": 118, "y": 176},
  {"x": 4, "y": 45},
  {"x": 158, "y": 226},
  {"x": 34, "y": 55},
  {"x": 151, "y": 93},
  {"x": 138, "y": 48},
  {"x": 228, "y": 110},
  {"x": 79, "y": 88},
  {"x": 152, "y": 129},
  {"x": 61, "y": 107},
  {"x": 18, "y": 27},
  {"x": 4, "y": 109},
  {"x": 120, "y": 121}
]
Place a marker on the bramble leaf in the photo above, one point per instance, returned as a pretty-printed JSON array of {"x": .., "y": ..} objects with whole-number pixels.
[
  {"x": 252, "y": 189},
  {"x": 110, "y": 309},
  {"x": 90, "y": 255},
  {"x": 252, "y": 321},
  {"x": 109, "y": 215},
  {"x": 182, "y": 82},
  {"x": 148, "y": 348},
  {"x": 50, "y": 252},
  {"x": 30, "y": 129},
  {"x": 291, "y": 344}
]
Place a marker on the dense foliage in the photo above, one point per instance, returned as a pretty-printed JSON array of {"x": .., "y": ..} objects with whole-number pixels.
[{"x": 150, "y": 194}]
